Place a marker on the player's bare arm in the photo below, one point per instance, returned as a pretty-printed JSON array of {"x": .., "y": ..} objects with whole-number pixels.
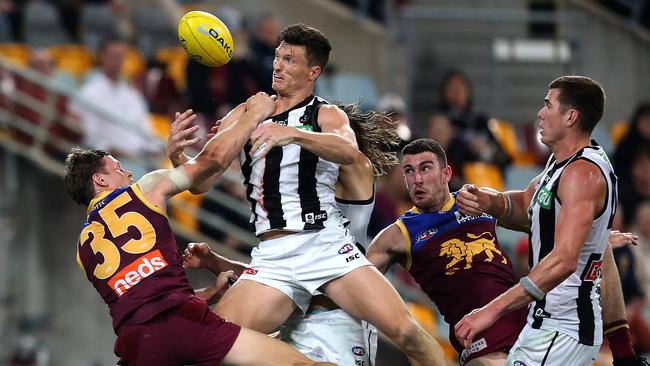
[
  {"x": 180, "y": 136},
  {"x": 387, "y": 248},
  {"x": 336, "y": 142},
  {"x": 214, "y": 158},
  {"x": 582, "y": 191},
  {"x": 510, "y": 208},
  {"x": 199, "y": 255}
]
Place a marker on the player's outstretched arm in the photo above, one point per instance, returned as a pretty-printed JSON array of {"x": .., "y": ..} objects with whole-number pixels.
[
  {"x": 214, "y": 158},
  {"x": 199, "y": 255},
  {"x": 387, "y": 248},
  {"x": 336, "y": 142},
  {"x": 510, "y": 208},
  {"x": 181, "y": 136}
]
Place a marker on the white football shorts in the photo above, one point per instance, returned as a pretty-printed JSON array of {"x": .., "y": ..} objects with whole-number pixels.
[
  {"x": 536, "y": 347},
  {"x": 332, "y": 336},
  {"x": 300, "y": 263}
]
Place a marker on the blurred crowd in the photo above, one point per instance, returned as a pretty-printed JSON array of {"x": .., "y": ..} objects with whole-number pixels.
[{"x": 124, "y": 102}]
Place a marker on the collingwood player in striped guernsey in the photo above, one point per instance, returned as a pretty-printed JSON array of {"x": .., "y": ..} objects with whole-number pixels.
[
  {"x": 290, "y": 168},
  {"x": 568, "y": 211},
  {"x": 326, "y": 332}
]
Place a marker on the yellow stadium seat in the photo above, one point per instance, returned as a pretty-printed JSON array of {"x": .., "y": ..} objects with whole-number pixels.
[
  {"x": 186, "y": 213},
  {"x": 484, "y": 175},
  {"x": 75, "y": 60},
  {"x": 619, "y": 129},
  {"x": 15, "y": 53},
  {"x": 161, "y": 125},
  {"x": 176, "y": 59},
  {"x": 134, "y": 64},
  {"x": 504, "y": 132}
]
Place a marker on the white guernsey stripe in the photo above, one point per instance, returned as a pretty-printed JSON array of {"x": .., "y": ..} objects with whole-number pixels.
[{"x": 291, "y": 188}]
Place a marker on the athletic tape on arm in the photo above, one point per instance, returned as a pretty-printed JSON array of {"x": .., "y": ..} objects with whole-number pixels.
[{"x": 176, "y": 176}]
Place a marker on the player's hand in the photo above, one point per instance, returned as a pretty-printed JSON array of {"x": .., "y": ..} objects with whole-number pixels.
[
  {"x": 473, "y": 323},
  {"x": 472, "y": 200},
  {"x": 214, "y": 293},
  {"x": 180, "y": 135},
  {"x": 268, "y": 136},
  {"x": 618, "y": 239},
  {"x": 262, "y": 105},
  {"x": 219, "y": 286},
  {"x": 197, "y": 255},
  {"x": 214, "y": 130}
]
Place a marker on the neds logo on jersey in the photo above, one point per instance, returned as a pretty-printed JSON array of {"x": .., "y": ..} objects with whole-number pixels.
[{"x": 135, "y": 272}]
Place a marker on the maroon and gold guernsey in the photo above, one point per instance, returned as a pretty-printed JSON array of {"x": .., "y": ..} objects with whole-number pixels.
[
  {"x": 457, "y": 261},
  {"x": 128, "y": 252}
]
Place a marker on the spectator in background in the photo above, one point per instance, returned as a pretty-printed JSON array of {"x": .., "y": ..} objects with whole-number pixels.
[
  {"x": 394, "y": 105},
  {"x": 633, "y": 264},
  {"x": 471, "y": 126},
  {"x": 637, "y": 188},
  {"x": 440, "y": 129},
  {"x": 115, "y": 100},
  {"x": 159, "y": 90},
  {"x": 638, "y": 135},
  {"x": 638, "y": 322},
  {"x": 264, "y": 40}
]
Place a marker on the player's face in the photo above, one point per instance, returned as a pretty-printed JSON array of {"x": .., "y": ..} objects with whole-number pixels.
[
  {"x": 551, "y": 118},
  {"x": 426, "y": 181},
  {"x": 113, "y": 174},
  {"x": 290, "y": 69}
]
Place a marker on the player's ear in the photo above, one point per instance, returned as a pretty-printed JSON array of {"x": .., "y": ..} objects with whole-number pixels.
[
  {"x": 446, "y": 174},
  {"x": 571, "y": 116},
  {"x": 98, "y": 179},
  {"x": 314, "y": 72}
]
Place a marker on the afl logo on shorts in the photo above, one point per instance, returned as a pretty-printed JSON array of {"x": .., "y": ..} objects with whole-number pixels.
[
  {"x": 347, "y": 248},
  {"x": 518, "y": 363},
  {"x": 358, "y": 351}
]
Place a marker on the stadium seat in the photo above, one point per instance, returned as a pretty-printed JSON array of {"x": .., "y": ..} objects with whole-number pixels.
[
  {"x": 186, "y": 210},
  {"x": 176, "y": 59},
  {"x": 483, "y": 175},
  {"x": 134, "y": 64},
  {"x": 73, "y": 59},
  {"x": 42, "y": 25},
  {"x": 15, "y": 53},
  {"x": 160, "y": 124},
  {"x": 504, "y": 132},
  {"x": 619, "y": 129}
]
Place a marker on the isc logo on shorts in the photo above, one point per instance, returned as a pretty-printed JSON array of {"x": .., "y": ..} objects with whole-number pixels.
[
  {"x": 135, "y": 272},
  {"x": 250, "y": 271}
]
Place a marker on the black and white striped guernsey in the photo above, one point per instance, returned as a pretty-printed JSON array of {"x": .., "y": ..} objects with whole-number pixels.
[
  {"x": 291, "y": 188},
  {"x": 573, "y": 307}
]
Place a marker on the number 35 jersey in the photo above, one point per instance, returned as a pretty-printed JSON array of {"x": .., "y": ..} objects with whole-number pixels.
[{"x": 128, "y": 252}]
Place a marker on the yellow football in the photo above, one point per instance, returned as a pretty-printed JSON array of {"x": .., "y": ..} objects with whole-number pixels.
[{"x": 205, "y": 38}]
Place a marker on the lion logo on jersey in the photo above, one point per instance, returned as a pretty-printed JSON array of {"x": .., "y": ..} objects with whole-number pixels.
[{"x": 458, "y": 250}]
